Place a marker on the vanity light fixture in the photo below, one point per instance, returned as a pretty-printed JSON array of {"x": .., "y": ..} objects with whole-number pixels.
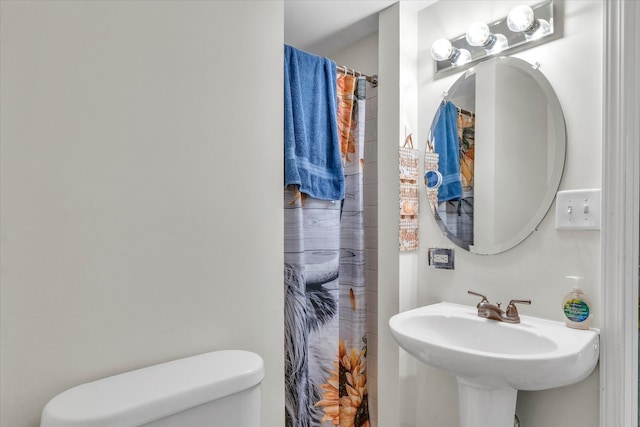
[
  {"x": 480, "y": 35},
  {"x": 523, "y": 24},
  {"x": 443, "y": 50},
  {"x": 522, "y": 19}
]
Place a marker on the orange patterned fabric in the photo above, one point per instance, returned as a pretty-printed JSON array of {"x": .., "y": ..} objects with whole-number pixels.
[
  {"x": 466, "y": 134},
  {"x": 345, "y": 91}
]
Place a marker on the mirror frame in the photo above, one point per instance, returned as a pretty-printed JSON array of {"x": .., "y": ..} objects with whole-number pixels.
[{"x": 559, "y": 159}]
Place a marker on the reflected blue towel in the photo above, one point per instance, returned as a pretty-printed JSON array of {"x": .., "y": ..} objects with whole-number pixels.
[
  {"x": 311, "y": 147},
  {"x": 446, "y": 144}
]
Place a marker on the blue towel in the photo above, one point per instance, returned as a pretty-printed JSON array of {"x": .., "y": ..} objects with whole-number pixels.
[
  {"x": 446, "y": 144},
  {"x": 312, "y": 156}
]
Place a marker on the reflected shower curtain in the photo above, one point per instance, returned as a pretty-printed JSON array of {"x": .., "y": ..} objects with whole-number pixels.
[
  {"x": 325, "y": 310},
  {"x": 466, "y": 136}
]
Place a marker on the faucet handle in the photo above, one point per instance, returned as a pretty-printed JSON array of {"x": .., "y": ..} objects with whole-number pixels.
[
  {"x": 484, "y": 298},
  {"x": 512, "y": 311},
  {"x": 520, "y": 301}
]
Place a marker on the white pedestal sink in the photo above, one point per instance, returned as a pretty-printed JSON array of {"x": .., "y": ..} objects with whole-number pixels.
[{"x": 492, "y": 360}]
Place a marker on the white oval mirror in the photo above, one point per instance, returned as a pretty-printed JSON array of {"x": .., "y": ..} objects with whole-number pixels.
[{"x": 498, "y": 142}]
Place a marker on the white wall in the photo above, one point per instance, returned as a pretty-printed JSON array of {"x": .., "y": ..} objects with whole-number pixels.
[
  {"x": 535, "y": 269},
  {"x": 397, "y": 109},
  {"x": 361, "y": 55},
  {"x": 141, "y": 191},
  {"x": 388, "y": 261},
  {"x": 409, "y": 261}
]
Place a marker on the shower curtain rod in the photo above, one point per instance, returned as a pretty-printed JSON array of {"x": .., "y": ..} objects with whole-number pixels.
[
  {"x": 468, "y": 113},
  {"x": 371, "y": 79}
]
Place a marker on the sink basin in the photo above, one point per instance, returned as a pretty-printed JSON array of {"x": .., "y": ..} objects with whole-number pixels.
[{"x": 492, "y": 360}]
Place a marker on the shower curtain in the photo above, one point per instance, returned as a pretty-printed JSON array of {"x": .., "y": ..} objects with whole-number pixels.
[{"x": 325, "y": 310}]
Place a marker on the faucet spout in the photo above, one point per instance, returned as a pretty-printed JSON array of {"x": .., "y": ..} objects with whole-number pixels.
[{"x": 490, "y": 311}]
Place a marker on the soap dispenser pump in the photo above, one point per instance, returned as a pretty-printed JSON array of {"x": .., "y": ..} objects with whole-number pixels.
[{"x": 577, "y": 306}]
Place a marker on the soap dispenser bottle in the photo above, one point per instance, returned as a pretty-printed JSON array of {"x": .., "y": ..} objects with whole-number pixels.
[{"x": 577, "y": 306}]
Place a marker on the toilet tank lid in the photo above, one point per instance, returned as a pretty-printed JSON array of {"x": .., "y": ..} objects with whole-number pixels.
[{"x": 138, "y": 397}]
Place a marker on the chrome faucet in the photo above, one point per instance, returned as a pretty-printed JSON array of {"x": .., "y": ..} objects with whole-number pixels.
[{"x": 493, "y": 311}]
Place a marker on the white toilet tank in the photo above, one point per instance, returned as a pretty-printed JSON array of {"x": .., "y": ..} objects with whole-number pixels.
[{"x": 217, "y": 389}]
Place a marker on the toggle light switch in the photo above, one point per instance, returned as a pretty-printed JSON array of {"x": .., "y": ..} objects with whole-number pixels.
[{"x": 578, "y": 209}]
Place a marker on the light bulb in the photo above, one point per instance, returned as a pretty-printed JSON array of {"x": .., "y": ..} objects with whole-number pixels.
[
  {"x": 543, "y": 28},
  {"x": 462, "y": 56},
  {"x": 441, "y": 50},
  {"x": 498, "y": 45},
  {"x": 520, "y": 19},
  {"x": 478, "y": 34}
]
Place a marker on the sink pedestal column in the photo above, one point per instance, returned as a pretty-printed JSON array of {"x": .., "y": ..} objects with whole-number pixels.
[{"x": 485, "y": 406}]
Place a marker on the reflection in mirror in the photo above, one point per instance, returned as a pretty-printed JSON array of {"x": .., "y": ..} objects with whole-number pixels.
[{"x": 498, "y": 144}]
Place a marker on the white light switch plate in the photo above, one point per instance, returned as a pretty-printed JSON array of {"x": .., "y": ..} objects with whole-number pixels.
[{"x": 578, "y": 209}]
